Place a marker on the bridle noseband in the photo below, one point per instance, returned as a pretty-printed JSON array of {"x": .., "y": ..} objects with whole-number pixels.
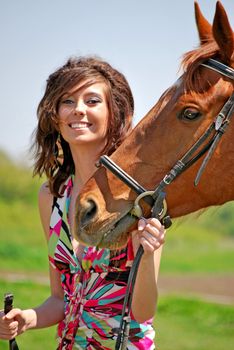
[{"x": 206, "y": 144}]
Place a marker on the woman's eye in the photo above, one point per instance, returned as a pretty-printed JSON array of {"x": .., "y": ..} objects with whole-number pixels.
[
  {"x": 93, "y": 100},
  {"x": 67, "y": 101},
  {"x": 189, "y": 114}
]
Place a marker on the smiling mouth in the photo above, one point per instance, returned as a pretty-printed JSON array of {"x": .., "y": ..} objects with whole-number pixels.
[{"x": 80, "y": 125}]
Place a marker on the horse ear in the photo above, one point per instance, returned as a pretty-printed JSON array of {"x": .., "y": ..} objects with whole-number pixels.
[
  {"x": 223, "y": 33},
  {"x": 203, "y": 26}
]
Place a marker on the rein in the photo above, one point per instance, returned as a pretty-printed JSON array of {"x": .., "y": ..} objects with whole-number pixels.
[{"x": 206, "y": 144}]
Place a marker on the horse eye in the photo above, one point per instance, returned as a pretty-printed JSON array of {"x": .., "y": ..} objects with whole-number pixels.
[{"x": 189, "y": 114}]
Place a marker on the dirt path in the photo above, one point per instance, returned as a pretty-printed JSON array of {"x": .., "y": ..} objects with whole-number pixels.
[
  {"x": 213, "y": 288},
  {"x": 219, "y": 289}
]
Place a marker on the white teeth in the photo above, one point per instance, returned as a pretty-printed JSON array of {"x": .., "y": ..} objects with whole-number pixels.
[{"x": 79, "y": 125}]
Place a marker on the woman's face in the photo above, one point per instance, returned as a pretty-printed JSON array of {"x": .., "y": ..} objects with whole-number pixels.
[{"x": 83, "y": 115}]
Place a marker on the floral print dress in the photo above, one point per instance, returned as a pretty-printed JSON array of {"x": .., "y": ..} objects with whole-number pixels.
[{"x": 94, "y": 289}]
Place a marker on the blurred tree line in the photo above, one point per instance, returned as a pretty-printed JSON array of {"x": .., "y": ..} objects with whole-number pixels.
[{"x": 16, "y": 181}]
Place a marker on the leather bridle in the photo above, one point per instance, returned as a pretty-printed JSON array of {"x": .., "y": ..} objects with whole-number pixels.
[{"x": 206, "y": 144}]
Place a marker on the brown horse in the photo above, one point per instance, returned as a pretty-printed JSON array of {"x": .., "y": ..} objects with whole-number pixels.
[{"x": 172, "y": 126}]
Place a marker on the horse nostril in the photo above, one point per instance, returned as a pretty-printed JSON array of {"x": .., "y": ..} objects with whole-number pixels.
[{"x": 89, "y": 212}]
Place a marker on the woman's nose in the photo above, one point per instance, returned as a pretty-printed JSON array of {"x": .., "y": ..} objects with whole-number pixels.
[{"x": 80, "y": 108}]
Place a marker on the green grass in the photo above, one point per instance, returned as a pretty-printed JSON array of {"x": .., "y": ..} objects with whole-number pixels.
[
  {"x": 190, "y": 324},
  {"x": 180, "y": 323},
  {"x": 193, "y": 248},
  {"x": 22, "y": 243},
  {"x": 190, "y": 246}
]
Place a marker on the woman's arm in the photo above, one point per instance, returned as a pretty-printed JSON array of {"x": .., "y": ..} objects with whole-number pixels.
[
  {"x": 150, "y": 235},
  {"x": 51, "y": 311}
]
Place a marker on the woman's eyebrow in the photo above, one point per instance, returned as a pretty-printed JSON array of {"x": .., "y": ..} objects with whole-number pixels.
[{"x": 93, "y": 93}]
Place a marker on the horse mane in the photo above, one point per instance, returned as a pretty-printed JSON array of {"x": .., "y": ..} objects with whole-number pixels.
[
  {"x": 191, "y": 74},
  {"x": 190, "y": 65}
]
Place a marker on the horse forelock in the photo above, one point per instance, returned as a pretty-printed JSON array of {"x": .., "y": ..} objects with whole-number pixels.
[{"x": 191, "y": 65}]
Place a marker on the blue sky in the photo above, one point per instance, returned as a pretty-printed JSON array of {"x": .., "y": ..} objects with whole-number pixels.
[{"x": 143, "y": 39}]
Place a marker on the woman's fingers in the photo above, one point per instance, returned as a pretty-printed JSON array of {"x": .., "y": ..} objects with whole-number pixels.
[
  {"x": 9, "y": 324},
  {"x": 12, "y": 314},
  {"x": 151, "y": 233}
]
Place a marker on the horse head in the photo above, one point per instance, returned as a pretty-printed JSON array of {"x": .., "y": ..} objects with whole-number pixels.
[{"x": 172, "y": 126}]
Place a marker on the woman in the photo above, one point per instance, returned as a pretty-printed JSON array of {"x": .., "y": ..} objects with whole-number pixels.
[{"x": 86, "y": 111}]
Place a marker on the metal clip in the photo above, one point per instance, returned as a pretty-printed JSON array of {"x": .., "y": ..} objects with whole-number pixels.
[
  {"x": 219, "y": 121},
  {"x": 136, "y": 210}
]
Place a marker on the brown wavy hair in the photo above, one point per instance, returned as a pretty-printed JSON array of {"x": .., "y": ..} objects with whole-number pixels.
[{"x": 121, "y": 108}]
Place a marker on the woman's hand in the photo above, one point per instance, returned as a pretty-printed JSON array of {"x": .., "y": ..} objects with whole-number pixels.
[
  {"x": 12, "y": 324},
  {"x": 150, "y": 234}
]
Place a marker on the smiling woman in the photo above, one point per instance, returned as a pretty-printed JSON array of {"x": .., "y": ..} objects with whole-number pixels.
[
  {"x": 86, "y": 111},
  {"x": 74, "y": 86}
]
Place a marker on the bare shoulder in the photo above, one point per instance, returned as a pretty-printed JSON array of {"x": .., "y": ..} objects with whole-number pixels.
[
  {"x": 44, "y": 191},
  {"x": 45, "y": 198},
  {"x": 45, "y": 201}
]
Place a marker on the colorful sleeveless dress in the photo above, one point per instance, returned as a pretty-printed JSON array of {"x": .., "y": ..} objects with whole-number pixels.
[{"x": 94, "y": 289}]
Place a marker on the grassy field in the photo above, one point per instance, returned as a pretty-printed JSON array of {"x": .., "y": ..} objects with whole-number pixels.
[
  {"x": 194, "y": 248},
  {"x": 189, "y": 247},
  {"x": 188, "y": 324},
  {"x": 203, "y": 245}
]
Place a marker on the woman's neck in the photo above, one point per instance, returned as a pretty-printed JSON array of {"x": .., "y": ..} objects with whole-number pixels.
[{"x": 84, "y": 161}]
